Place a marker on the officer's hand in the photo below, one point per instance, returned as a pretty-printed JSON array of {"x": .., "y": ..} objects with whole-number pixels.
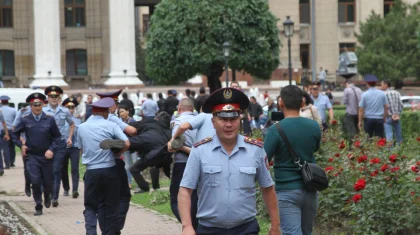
[
  {"x": 274, "y": 230},
  {"x": 360, "y": 125},
  {"x": 6, "y": 137},
  {"x": 49, "y": 154},
  {"x": 24, "y": 149},
  {"x": 69, "y": 142},
  {"x": 170, "y": 147},
  {"x": 188, "y": 231}
]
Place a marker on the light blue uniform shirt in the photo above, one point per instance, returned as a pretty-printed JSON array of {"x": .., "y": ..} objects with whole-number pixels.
[
  {"x": 113, "y": 118},
  {"x": 89, "y": 136},
  {"x": 9, "y": 115},
  {"x": 77, "y": 122},
  {"x": 373, "y": 101},
  {"x": 61, "y": 116},
  {"x": 202, "y": 123},
  {"x": 190, "y": 135},
  {"x": 22, "y": 112},
  {"x": 150, "y": 108},
  {"x": 1, "y": 118},
  {"x": 226, "y": 184},
  {"x": 322, "y": 103}
]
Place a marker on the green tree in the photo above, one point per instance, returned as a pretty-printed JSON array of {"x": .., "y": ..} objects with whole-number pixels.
[
  {"x": 186, "y": 37},
  {"x": 140, "y": 60},
  {"x": 388, "y": 45}
]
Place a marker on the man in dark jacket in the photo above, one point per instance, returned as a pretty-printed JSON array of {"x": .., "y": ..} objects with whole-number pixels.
[
  {"x": 161, "y": 103},
  {"x": 202, "y": 97},
  {"x": 255, "y": 110},
  {"x": 171, "y": 102},
  {"x": 151, "y": 144},
  {"x": 127, "y": 103}
]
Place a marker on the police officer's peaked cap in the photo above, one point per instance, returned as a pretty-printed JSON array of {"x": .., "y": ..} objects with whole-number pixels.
[
  {"x": 4, "y": 97},
  {"x": 370, "y": 78},
  {"x": 70, "y": 102},
  {"x": 36, "y": 98},
  {"x": 103, "y": 104},
  {"x": 53, "y": 90},
  {"x": 226, "y": 102},
  {"x": 113, "y": 94}
]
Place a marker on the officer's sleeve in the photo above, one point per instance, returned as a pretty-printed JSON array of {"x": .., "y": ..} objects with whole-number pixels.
[
  {"x": 1, "y": 117},
  {"x": 192, "y": 170},
  {"x": 16, "y": 133},
  {"x": 118, "y": 133},
  {"x": 329, "y": 105},
  {"x": 55, "y": 135},
  {"x": 175, "y": 127},
  {"x": 271, "y": 142},
  {"x": 263, "y": 172},
  {"x": 362, "y": 101},
  {"x": 69, "y": 117},
  {"x": 197, "y": 121},
  {"x": 122, "y": 125}
]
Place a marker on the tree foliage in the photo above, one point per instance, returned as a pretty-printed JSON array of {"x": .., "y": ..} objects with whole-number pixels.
[
  {"x": 186, "y": 37},
  {"x": 388, "y": 45}
]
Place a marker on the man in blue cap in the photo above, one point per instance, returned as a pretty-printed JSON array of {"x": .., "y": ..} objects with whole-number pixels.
[
  {"x": 102, "y": 181},
  {"x": 224, "y": 169},
  {"x": 7, "y": 146},
  {"x": 6, "y": 137},
  {"x": 72, "y": 153},
  {"x": 373, "y": 107},
  {"x": 61, "y": 116},
  {"x": 42, "y": 140}
]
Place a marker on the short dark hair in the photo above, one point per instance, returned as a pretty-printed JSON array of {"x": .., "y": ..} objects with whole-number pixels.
[
  {"x": 253, "y": 97},
  {"x": 192, "y": 93},
  {"x": 169, "y": 92},
  {"x": 160, "y": 95},
  {"x": 292, "y": 97},
  {"x": 202, "y": 90},
  {"x": 188, "y": 92},
  {"x": 124, "y": 95},
  {"x": 387, "y": 82},
  {"x": 308, "y": 99},
  {"x": 149, "y": 96}
]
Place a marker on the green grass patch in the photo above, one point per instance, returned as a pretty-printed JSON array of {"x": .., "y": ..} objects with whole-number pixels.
[{"x": 155, "y": 200}]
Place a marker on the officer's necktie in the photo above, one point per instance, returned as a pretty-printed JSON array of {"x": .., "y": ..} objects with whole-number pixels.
[{"x": 37, "y": 118}]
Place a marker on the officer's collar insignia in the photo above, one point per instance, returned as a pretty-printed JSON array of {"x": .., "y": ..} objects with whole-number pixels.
[
  {"x": 53, "y": 88},
  {"x": 36, "y": 95},
  {"x": 228, "y": 107},
  {"x": 203, "y": 141},
  {"x": 254, "y": 142},
  {"x": 227, "y": 94}
]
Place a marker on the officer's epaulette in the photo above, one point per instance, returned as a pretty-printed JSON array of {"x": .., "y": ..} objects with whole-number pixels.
[
  {"x": 26, "y": 115},
  {"x": 254, "y": 142},
  {"x": 203, "y": 141}
]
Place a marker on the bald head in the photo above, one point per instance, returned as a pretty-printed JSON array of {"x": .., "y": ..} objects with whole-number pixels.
[{"x": 186, "y": 105}]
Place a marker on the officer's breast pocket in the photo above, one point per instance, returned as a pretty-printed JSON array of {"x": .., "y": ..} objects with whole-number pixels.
[
  {"x": 213, "y": 175},
  {"x": 247, "y": 176},
  {"x": 61, "y": 119},
  {"x": 45, "y": 128}
]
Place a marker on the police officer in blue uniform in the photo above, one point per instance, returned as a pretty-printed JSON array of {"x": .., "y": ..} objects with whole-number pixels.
[
  {"x": 125, "y": 194},
  {"x": 102, "y": 181},
  {"x": 61, "y": 116},
  {"x": 42, "y": 139},
  {"x": 72, "y": 153},
  {"x": 224, "y": 168},
  {"x": 7, "y": 146},
  {"x": 6, "y": 137}
]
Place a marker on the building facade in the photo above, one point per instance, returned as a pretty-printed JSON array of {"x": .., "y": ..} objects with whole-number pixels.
[{"x": 91, "y": 43}]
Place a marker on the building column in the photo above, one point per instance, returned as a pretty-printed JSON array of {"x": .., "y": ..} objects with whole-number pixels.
[
  {"x": 47, "y": 44},
  {"x": 122, "y": 44}
]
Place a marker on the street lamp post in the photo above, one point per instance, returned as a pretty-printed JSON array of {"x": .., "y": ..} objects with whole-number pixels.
[
  {"x": 288, "y": 25},
  {"x": 226, "y": 54}
]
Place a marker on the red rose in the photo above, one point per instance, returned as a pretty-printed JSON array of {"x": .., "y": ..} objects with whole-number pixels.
[
  {"x": 418, "y": 163},
  {"x": 363, "y": 158},
  {"x": 271, "y": 163},
  {"x": 415, "y": 169},
  {"x": 412, "y": 193},
  {"x": 362, "y": 169},
  {"x": 375, "y": 173},
  {"x": 334, "y": 122},
  {"x": 342, "y": 142},
  {"x": 337, "y": 155},
  {"x": 384, "y": 167},
  {"x": 330, "y": 159},
  {"x": 395, "y": 169},
  {"x": 418, "y": 178},
  {"x": 375, "y": 160},
  {"x": 418, "y": 139},
  {"x": 393, "y": 158},
  {"x": 341, "y": 146},
  {"x": 260, "y": 139},
  {"x": 381, "y": 142},
  {"x": 336, "y": 174},
  {"x": 329, "y": 168},
  {"x": 357, "y": 144},
  {"x": 357, "y": 197},
  {"x": 360, "y": 184}
]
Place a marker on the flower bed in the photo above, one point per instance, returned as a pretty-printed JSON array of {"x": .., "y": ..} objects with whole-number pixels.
[{"x": 11, "y": 223}]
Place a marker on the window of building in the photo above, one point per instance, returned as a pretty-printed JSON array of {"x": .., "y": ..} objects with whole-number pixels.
[
  {"x": 76, "y": 61},
  {"x": 74, "y": 13},
  {"x": 146, "y": 23},
  {"x": 387, "y": 6},
  {"x": 349, "y": 46},
  {"x": 6, "y": 13},
  {"x": 346, "y": 11},
  {"x": 305, "y": 56},
  {"x": 7, "y": 63},
  {"x": 304, "y": 12}
]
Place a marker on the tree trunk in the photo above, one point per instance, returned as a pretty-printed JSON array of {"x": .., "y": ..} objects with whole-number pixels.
[{"x": 213, "y": 77}]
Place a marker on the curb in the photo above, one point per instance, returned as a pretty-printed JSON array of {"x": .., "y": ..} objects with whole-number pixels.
[{"x": 28, "y": 219}]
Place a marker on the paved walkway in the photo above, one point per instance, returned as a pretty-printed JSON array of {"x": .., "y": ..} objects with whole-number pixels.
[{"x": 68, "y": 218}]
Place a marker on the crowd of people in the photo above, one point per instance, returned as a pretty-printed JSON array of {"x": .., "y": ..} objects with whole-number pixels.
[{"x": 215, "y": 168}]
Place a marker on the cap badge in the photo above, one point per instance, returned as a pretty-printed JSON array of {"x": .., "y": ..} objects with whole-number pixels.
[
  {"x": 53, "y": 88},
  {"x": 227, "y": 94},
  {"x": 35, "y": 95},
  {"x": 228, "y": 107},
  {"x": 37, "y": 101}
]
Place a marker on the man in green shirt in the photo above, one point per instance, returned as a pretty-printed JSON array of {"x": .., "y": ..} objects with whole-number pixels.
[{"x": 297, "y": 205}]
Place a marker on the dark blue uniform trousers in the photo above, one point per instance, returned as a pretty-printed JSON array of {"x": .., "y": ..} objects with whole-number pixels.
[
  {"x": 249, "y": 228},
  {"x": 4, "y": 153},
  {"x": 12, "y": 150},
  {"x": 59, "y": 154},
  {"x": 102, "y": 188},
  {"x": 72, "y": 154},
  {"x": 374, "y": 127},
  {"x": 40, "y": 172}
]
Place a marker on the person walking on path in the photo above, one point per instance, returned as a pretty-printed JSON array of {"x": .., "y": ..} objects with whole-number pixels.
[
  {"x": 393, "y": 121},
  {"x": 322, "y": 77},
  {"x": 42, "y": 141},
  {"x": 6, "y": 137},
  {"x": 323, "y": 104},
  {"x": 351, "y": 98},
  {"x": 6, "y": 143}
]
